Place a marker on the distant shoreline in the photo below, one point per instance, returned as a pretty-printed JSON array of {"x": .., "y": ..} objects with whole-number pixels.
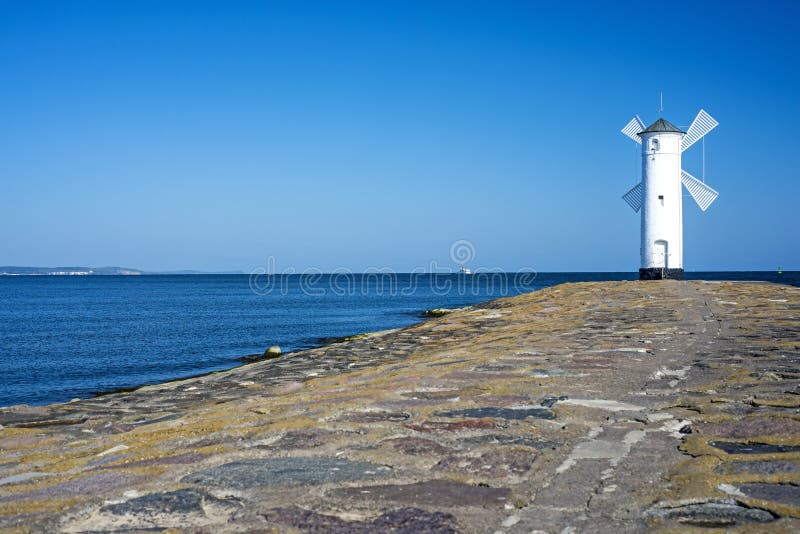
[{"x": 96, "y": 271}]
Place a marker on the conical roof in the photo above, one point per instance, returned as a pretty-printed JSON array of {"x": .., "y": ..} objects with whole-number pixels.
[{"x": 661, "y": 126}]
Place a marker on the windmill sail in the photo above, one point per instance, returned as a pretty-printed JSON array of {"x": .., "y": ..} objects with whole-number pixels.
[
  {"x": 634, "y": 197},
  {"x": 701, "y": 193},
  {"x": 634, "y": 127},
  {"x": 701, "y": 125}
]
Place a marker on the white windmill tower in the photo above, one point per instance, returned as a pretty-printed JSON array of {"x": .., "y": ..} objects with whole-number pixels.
[{"x": 659, "y": 193}]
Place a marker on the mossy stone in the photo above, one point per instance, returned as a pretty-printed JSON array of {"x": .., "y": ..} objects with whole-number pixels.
[{"x": 273, "y": 352}]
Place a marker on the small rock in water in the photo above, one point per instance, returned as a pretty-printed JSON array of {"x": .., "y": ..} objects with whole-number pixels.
[
  {"x": 437, "y": 312},
  {"x": 273, "y": 352}
]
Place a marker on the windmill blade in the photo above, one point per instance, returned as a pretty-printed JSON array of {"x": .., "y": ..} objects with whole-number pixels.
[
  {"x": 634, "y": 197},
  {"x": 701, "y": 193},
  {"x": 634, "y": 127},
  {"x": 701, "y": 125}
]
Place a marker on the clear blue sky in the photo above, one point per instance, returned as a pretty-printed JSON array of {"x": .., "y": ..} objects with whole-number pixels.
[{"x": 169, "y": 135}]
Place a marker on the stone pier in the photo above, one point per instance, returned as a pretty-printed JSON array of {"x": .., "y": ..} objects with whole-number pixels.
[{"x": 591, "y": 407}]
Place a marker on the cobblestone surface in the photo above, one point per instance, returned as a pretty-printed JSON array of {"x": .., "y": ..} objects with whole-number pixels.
[{"x": 593, "y": 407}]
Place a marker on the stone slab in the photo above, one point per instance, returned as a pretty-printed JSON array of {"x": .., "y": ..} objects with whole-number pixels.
[{"x": 266, "y": 472}]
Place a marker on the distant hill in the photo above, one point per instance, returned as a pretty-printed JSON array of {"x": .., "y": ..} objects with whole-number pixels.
[
  {"x": 75, "y": 271},
  {"x": 9, "y": 270}
]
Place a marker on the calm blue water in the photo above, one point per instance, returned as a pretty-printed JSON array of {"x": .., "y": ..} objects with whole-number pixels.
[{"x": 63, "y": 337}]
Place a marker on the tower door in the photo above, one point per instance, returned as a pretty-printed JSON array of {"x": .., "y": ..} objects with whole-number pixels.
[{"x": 660, "y": 255}]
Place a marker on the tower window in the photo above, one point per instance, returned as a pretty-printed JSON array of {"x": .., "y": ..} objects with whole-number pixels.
[
  {"x": 654, "y": 145},
  {"x": 660, "y": 197}
]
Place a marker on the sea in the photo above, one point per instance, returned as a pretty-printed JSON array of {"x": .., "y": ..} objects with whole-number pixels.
[{"x": 66, "y": 337}]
